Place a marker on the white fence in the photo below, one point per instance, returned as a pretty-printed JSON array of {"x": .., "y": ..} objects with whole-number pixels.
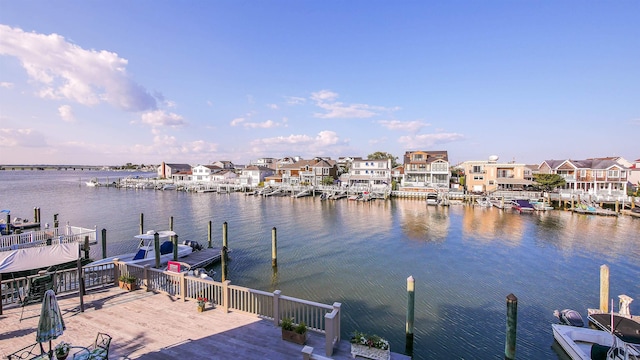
[{"x": 64, "y": 234}]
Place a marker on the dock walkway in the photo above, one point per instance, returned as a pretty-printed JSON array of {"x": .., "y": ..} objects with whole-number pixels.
[{"x": 148, "y": 325}]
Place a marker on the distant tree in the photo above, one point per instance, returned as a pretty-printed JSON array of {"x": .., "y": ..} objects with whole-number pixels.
[
  {"x": 549, "y": 182},
  {"x": 379, "y": 155}
]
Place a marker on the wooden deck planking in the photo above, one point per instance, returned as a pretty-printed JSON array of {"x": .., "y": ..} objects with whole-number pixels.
[{"x": 147, "y": 325}]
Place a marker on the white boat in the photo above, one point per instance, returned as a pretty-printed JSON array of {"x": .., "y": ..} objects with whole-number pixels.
[
  {"x": 582, "y": 343},
  {"x": 484, "y": 201},
  {"x": 432, "y": 199},
  {"x": 92, "y": 183},
  {"x": 146, "y": 250}
]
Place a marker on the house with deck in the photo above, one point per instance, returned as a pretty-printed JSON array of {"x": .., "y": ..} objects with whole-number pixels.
[
  {"x": 486, "y": 176},
  {"x": 254, "y": 175},
  {"x": 167, "y": 170},
  {"x": 307, "y": 172},
  {"x": 204, "y": 173},
  {"x": 426, "y": 169},
  {"x": 369, "y": 174},
  {"x": 596, "y": 176}
]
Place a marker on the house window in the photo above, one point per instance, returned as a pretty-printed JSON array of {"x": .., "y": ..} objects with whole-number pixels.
[
  {"x": 478, "y": 178},
  {"x": 477, "y": 169},
  {"x": 613, "y": 173},
  {"x": 417, "y": 157},
  {"x": 583, "y": 173}
]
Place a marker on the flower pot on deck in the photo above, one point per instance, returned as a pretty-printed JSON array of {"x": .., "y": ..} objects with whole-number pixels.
[
  {"x": 127, "y": 286},
  {"x": 294, "y": 337},
  {"x": 369, "y": 352}
]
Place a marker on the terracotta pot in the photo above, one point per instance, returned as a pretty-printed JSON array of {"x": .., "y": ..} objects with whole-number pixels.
[{"x": 294, "y": 337}]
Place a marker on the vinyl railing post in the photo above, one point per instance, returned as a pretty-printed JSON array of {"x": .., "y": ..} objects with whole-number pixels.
[
  {"x": 145, "y": 277},
  {"x": 183, "y": 286},
  {"x": 116, "y": 272},
  {"x": 276, "y": 307},
  {"x": 226, "y": 296}
]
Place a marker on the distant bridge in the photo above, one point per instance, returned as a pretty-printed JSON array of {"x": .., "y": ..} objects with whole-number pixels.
[{"x": 52, "y": 167}]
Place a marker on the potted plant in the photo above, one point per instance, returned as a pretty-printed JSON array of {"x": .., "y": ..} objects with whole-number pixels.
[
  {"x": 294, "y": 333},
  {"x": 201, "y": 303},
  {"x": 127, "y": 282},
  {"x": 369, "y": 346},
  {"x": 62, "y": 350}
]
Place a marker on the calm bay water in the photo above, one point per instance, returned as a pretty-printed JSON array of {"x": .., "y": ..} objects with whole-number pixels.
[{"x": 465, "y": 260}]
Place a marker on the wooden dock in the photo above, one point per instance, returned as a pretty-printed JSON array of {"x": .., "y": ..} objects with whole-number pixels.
[
  {"x": 203, "y": 258},
  {"x": 148, "y": 325}
]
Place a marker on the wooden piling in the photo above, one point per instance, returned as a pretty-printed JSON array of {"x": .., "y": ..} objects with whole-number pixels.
[
  {"x": 512, "y": 324},
  {"x": 156, "y": 244},
  {"x": 209, "y": 236},
  {"x": 104, "y": 243},
  {"x": 35, "y": 214},
  {"x": 85, "y": 247},
  {"x": 175, "y": 247},
  {"x": 410, "y": 315},
  {"x": 223, "y": 263},
  {"x": 224, "y": 235},
  {"x": 141, "y": 223},
  {"x": 171, "y": 223},
  {"x": 39, "y": 215},
  {"x": 81, "y": 283},
  {"x": 55, "y": 221},
  {"x": 604, "y": 288},
  {"x": 274, "y": 247},
  {"x": 617, "y": 206}
]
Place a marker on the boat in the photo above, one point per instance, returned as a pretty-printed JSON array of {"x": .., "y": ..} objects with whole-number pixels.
[
  {"x": 484, "y": 201},
  {"x": 522, "y": 205},
  {"x": 582, "y": 343},
  {"x": 432, "y": 199},
  {"x": 92, "y": 183},
  {"x": 146, "y": 250},
  {"x": 569, "y": 317},
  {"x": 169, "y": 187}
]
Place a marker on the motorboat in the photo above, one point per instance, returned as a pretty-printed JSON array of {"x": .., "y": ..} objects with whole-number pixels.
[
  {"x": 569, "y": 317},
  {"x": 484, "y": 201},
  {"x": 146, "y": 250},
  {"x": 432, "y": 199},
  {"x": 582, "y": 343},
  {"x": 522, "y": 205}
]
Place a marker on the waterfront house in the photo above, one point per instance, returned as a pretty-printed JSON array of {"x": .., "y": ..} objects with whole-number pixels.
[
  {"x": 308, "y": 172},
  {"x": 486, "y": 176},
  {"x": 426, "y": 169},
  {"x": 224, "y": 177},
  {"x": 166, "y": 170},
  {"x": 204, "y": 173},
  {"x": 634, "y": 174},
  {"x": 253, "y": 175},
  {"x": 593, "y": 176},
  {"x": 370, "y": 174},
  {"x": 397, "y": 174},
  {"x": 226, "y": 165}
]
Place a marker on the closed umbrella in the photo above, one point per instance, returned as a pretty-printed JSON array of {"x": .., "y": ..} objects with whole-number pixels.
[{"x": 51, "y": 324}]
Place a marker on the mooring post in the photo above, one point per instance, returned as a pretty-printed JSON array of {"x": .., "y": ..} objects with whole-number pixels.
[
  {"x": 274, "y": 247},
  {"x": 171, "y": 223},
  {"x": 410, "y": 316},
  {"x": 604, "y": 288},
  {"x": 209, "y": 236},
  {"x": 175, "y": 247},
  {"x": 81, "y": 283},
  {"x": 512, "y": 324},
  {"x": 104, "y": 243},
  {"x": 55, "y": 221},
  {"x": 224, "y": 235},
  {"x": 156, "y": 245},
  {"x": 86, "y": 247},
  {"x": 35, "y": 214},
  {"x": 141, "y": 223},
  {"x": 617, "y": 206},
  {"x": 223, "y": 263}
]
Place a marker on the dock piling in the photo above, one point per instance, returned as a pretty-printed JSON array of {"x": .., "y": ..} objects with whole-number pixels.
[
  {"x": 141, "y": 223},
  {"x": 104, "y": 243},
  {"x": 274, "y": 247},
  {"x": 85, "y": 247},
  {"x": 209, "y": 236},
  {"x": 55, "y": 221},
  {"x": 175, "y": 247},
  {"x": 512, "y": 324},
  {"x": 171, "y": 223},
  {"x": 410, "y": 316},
  {"x": 224, "y": 235},
  {"x": 223, "y": 263},
  {"x": 604, "y": 288},
  {"x": 156, "y": 244}
]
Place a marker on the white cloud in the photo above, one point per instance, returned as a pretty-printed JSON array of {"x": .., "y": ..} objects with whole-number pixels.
[
  {"x": 67, "y": 71},
  {"x": 413, "y": 126},
  {"x": 300, "y": 144},
  {"x": 160, "y": 118},
  {"x": 66, "y": 113},
  {"x": 272, "y": 106},
  {"x": 422, "y": 141},
  {"x": 263, "y": 125},
  {"x": 294, "y": 100},
  {"x": 20, "y": 137},
  {"x": 236, "y": 121},
  {"x": 6, "y": 85},
  {"x": 325, "y": 99}
]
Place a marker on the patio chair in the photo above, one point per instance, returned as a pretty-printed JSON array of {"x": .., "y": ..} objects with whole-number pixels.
[
  {"x": 99, "y": 350},
  {"x": 31, "y": 352},
  {"x": 36, "y": 289}
]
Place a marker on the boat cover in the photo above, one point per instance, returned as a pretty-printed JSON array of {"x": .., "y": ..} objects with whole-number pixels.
[
  {"x": 38, "y": 257},
  {"x": 625, "y": 329}
]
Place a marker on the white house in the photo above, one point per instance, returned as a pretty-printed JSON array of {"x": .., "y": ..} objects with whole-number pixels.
[
  {"x": 224, "y": 177},
  {"x": 203, "y": 173},
  {"x": 253, "y": 175},
  {"x": 368, "y": 173}
]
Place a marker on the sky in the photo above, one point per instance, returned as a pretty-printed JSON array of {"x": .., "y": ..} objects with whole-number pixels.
[{"x": 147, "y": 81}]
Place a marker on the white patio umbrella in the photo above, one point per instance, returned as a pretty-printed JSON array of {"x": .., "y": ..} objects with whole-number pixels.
[{"x": 51, "y": 325}]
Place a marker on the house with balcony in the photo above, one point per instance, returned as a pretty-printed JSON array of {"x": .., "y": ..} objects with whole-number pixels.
[
  {"x": 224, "y": 177},
  {"x": 204, "y": 173},
  {"x": 487, "y": 176},
  {"x": 369, "y": 174},
  {"x": 306, "y": 172},
  {"x": 254, "y": 175},
  {"x": 597, "y": 176},
  {"x": 426, "y": 170}
]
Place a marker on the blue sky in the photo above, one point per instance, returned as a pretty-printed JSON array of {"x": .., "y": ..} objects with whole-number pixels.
[{"x": 111, "y": 82}]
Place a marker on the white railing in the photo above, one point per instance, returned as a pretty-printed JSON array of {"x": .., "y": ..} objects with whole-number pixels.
[{"x": 61, "y": 235}]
